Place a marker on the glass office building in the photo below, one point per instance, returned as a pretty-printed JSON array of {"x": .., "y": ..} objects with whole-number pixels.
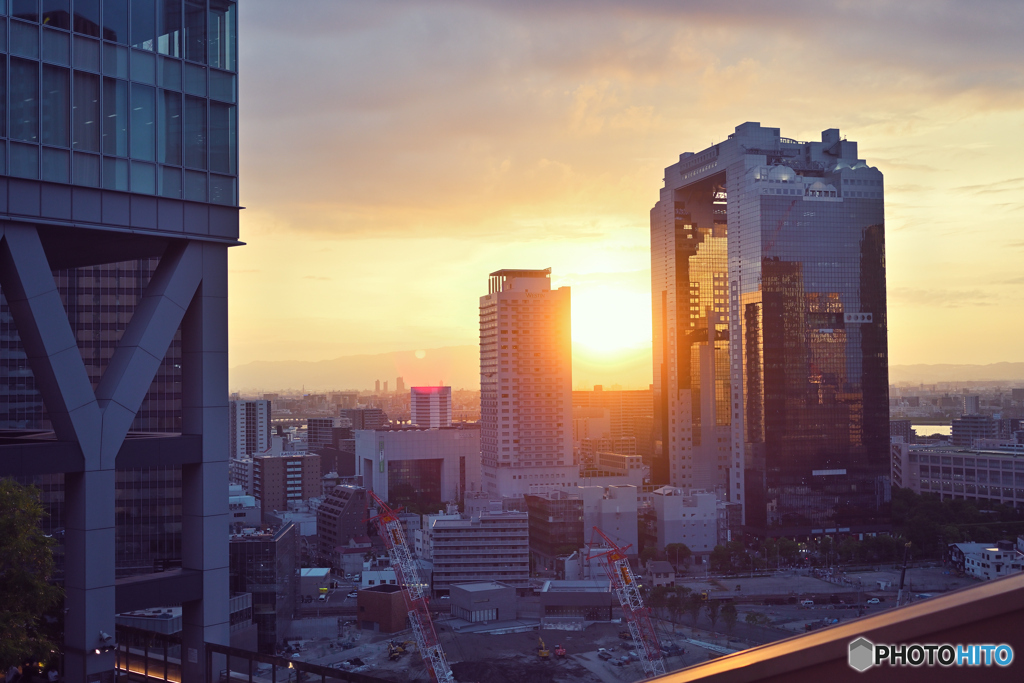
[
  {"x": 807, "y": 346},
  {"x": 118, "y": 201},
  {"x": 131, "y": 95}
]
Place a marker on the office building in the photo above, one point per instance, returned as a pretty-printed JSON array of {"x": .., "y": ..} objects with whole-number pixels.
[
  {"x": 525, "y": 384},
  {"x": 972, "y": 405},
  {"x": 320, "y": 432},
  {"x": 365, "y": 418},
  {"x": 420, "y": 467},
  {"x": 612, "y": 509},
  {"x": 266, "y": 565},
  {"x": 556, "y": 528},
  {"x": 282, "y": 478},
  {"x": 687, "y": 516},
  {"x": 243, "y": 510},
  {"x": 250, "y": 427},
  {"x": 431, "y": 407},
  {"x": 968, "y": 428},
  {"x": 902, "y": 429},
  {"x": 786, "y": 342},
  {"x": 128, "y": 177},
  {"x": 341, "y": 517},
  {"x": 985, "y": 476},
  {"x": 628, "y": 412},
  {"x": 492, "y": 547}
]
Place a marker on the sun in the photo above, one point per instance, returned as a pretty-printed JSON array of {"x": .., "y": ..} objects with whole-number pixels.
[{"x": 608, "y": 320}]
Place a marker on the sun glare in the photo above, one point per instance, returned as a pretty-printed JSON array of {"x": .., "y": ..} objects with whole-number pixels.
[{"x": 606, "y": 320}]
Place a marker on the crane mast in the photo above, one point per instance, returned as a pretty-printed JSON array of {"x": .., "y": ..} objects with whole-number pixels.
[
  {"x": 637, "y": 616},
  {"x": 414, "y": 590}
]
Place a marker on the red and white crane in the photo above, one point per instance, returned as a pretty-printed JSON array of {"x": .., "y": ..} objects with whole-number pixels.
[
  {"x": 637, "y": 616},
  {"x": 414, "y": 590}
]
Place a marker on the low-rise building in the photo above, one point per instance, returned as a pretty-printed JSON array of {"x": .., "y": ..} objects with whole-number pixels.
[
  {"x": 556, "y": 527},
  {"x": 989, "y": 475},
  {"x": 314, "y": 581},
  {"x": 265, "y": 564},
  {"x": 340, "y": 517},
  {"x": 243, "y": 510},
  {"x": 986, "y": 561},
  {"x": 381, "y": 608},
  {"x": 485, "y": 601},
  {"x": 689, "y": 517},
  {"x": 660, "y": 573}
]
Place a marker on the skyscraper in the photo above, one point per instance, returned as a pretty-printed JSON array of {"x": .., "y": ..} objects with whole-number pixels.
[
  {"x": 431, "y": 407},
  {"x": 800, "y": 360},
  {"x": 525, "y": 385},
  {"x": 250, "y": 427},
  {"x": 119, "y": 181}
]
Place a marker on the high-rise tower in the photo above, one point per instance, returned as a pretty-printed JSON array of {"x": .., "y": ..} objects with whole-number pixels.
[
  {"x": 805, "y": 340},
  {"x": 120, "y": 147},
  {"x": 525, "y": 385}
]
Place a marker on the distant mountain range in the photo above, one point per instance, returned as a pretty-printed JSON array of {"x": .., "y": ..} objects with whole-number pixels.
[
  {"x": 928, "y": 374},
  {"x": 455, "y": 366}
]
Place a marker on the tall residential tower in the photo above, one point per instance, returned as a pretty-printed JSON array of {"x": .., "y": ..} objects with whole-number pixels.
[
  {"x": 799, "y": 366},
  {"x": 525, "y": 385}
]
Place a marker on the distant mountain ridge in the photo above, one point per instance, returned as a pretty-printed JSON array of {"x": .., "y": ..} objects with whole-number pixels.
[
  {"x": 455, "y": 366},
  {"x": 951, "y": 372}
]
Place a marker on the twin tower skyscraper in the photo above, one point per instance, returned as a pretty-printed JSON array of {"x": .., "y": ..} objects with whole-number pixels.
[{"x": 770, "y": 347}]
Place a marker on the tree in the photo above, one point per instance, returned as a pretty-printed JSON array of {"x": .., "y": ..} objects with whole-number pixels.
[
  {"x": 647, "y": 554},
  {"x": 712, "y": 608},
  {"x": 26, "y": 564},
  {"x": 721, "y": 559},
  {"x": 729, "y": 616},
  {"x": 693, "y": 606},
  {"x": 680, "y": 552}
]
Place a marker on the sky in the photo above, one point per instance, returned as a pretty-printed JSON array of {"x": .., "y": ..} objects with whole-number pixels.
[{"x": 395, "y": 153}]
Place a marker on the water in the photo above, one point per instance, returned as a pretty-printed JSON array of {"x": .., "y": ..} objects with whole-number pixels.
[{"x": 928, "y": 430}]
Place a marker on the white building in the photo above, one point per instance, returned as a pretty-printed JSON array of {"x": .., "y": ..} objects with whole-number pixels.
[
  {"x": 689, "y": 517},
  {"x": 611, "y": 509},
  {"x": 986, "y": 561},
  {"x": 250, "y": 427},
  {"x": 525, "y": 385},
  {"x": 240, "y": 473},
  {"x": 437, "y": 465},
  {"x": 423, "y": 538},
  {"x": 243, "y": 510},
  {"x": 431, "y": 407},
  {"x": 492, "y": 547}
]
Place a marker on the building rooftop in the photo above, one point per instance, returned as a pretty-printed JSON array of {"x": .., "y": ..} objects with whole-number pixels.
[
  {"x": 480, "y": 587},
  {"x": 314, "y": 571}
]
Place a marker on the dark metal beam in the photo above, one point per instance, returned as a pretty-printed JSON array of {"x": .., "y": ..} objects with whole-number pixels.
[
  {"x": 171, "y": 587},
  {"x": 21, "y": 457}
]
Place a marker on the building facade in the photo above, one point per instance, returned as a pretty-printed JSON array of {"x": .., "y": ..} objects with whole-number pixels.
[
  {"x": 340, "y": 518},
  {"x": 491, "y": 547},
  {"x": 981, "y": 475},
  {"x": 556, "y": 528},
  {"x": 424, "y": 467},
  {"x": 525, "y": 385},
  {"x": 266, "y": 565},
  {"x": 431, "y": 407},
  {"x": 629, "y": 413},
  {"x": 800, "y": 369},
  {"x": 365, "y": 418},
  {"x": 280, "y": 479},
  {"x": 250, "y": 428},
  {"x": 118, "y": 190}
]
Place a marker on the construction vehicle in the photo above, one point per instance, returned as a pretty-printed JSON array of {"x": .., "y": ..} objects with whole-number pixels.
[
  {"x": 636, "y": 616},
  {"x": 414, "y": 591},
  {"x": 542, "y": 650},
  {"x": 559, "y": 652},
  {"x": 395, "y": 650}
]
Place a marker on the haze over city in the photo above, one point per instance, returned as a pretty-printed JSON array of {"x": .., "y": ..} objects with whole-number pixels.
[{"x": 396, "y": 154}]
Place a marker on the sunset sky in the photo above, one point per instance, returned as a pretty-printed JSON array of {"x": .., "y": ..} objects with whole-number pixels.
[{"x": 395, "y": 153}]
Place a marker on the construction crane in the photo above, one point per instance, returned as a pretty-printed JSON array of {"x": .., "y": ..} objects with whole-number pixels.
[
  {"x": 414, "y": 590},
  {"x": 636, "y": 615}
]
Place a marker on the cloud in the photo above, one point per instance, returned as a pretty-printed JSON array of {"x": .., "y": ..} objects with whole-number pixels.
[
  {"x": 999, "y": 186},
  {"x": 942, "y": 298}
]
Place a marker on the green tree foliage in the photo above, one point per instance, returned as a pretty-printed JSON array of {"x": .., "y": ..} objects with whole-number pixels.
[
  {"x": 721, "y": 559},
  {"x": 647, "y": 554},
  {"x": 26, "y": 565},
  {"x": 730, "y": 616},
  {"x": 712, "y": 608},
  {"x": 678, "y": 554},
  {"x": 693, "y": 606}
]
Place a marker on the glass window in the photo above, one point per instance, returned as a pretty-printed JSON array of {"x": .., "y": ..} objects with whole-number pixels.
[
  {"x": 115, "y": 21},
  {"x": 169, "y": 75},
  {"x": 143, "y": 177},
  {"x": 170, "y": 181},
  {"x": 143, "y": 122},
  {"x": 115, "y": 118},
  {"x": 115, "y": 174},
  {"x": 222, "y": 34},
  {"x": 195, "y": 30},
  {"x": 3, "y": 31},
  {"x": 87, "y": 54},
  {"x": 168, "y": 40},
  {"x": 86, "y": 170},
  {"x": 86, "y": 18},
  {"x": 57, "y": 13},
  {"x": 56, "y": 47},
  {"x": 144, "y": 24},
  {"x": 143, "y": 67},
  {"x": 195, "y": 133},
  {"x": 115, "y": 61},
  {"x": 195, "y": 80},
  {"x": 24, "y": 100},
  {"x": 3, "y": 96},
  {"x": 25, "y": 9},
  {"x": 195, "y": 186},
  {"x": 222, "y": 86},
  {"x": 170, "y": 129},
  {"x": 24, "y": 160},
  {"x": 56, "y": 106},
  {"x": 223, "y": 138},
  {"x": 24, "y": 39},
  {"x": 56, "y": 165}
]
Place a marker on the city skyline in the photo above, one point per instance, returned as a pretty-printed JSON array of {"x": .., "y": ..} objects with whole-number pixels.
[{"x": 540, "y": 135}]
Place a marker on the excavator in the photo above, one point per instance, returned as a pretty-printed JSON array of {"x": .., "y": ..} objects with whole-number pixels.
[
  {"x": 396, "y": 649},
  {"x": 542, "y": 650}
]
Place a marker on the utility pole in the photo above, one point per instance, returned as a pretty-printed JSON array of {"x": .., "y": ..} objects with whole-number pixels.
[{"x": 903, "y": 574}]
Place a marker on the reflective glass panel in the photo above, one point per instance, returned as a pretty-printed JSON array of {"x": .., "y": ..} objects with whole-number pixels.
[
  {"x": 115, "y": 118},
  {"x": 57, "y": 13},
  {"x": 115, "y": 20},
  {"x": 56, "y": 106},
  {"x": 195, "y": 31},
  {"x": 195, "y": 132},
  {"x": 144, "y": 24},
  {"x": 169, "y": 28},
  {"x": 143, "y": 122},
  {"x": 24, "y": 100},
  {"x": 86, "y": 18}
]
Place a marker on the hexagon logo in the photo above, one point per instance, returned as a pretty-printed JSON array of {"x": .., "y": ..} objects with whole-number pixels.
[{"x": 862, "y": 654}]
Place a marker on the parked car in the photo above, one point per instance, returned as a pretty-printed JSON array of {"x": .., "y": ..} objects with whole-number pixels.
[
  {"x": 446, "y": 597},
  {"x": 604, "y": 655},
  {"x": 353, "y": 594},
  {"x": 807, "y": 603},
  {"x": 874, "y": 601}
]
